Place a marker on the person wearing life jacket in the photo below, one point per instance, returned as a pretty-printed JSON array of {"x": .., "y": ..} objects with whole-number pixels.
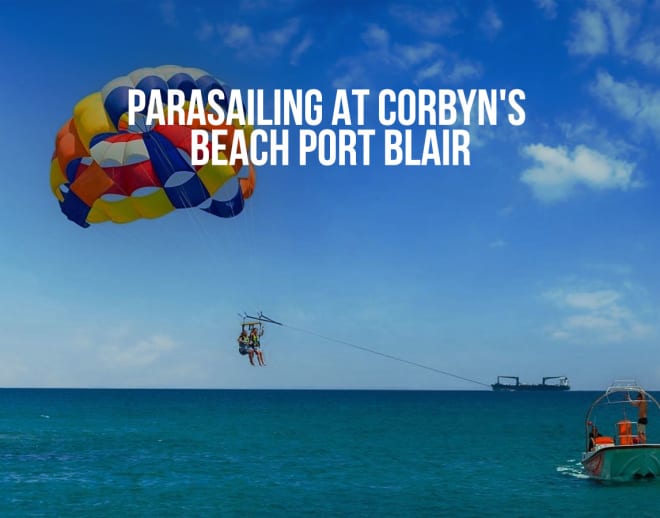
[
  {"x": 244, "y": 346},
  {"x": 256, "y": 346}
]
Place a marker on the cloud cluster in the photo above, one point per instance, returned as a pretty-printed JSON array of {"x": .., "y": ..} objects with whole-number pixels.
[
  {"x": 416, "y": 51},
  {"x": 168, "y": 13},
  {"x": 287, "y": 38},
  {"x": 628, "y": 29},
  {"x": 143, "y": 352},
  {"x": 635, "y": 103},
  {"x": 558, "y": 172},
  {"x": 549, "y": 7},
  {"x": 434, "y": 22},
  {"x": 595, "y": 316},
  {"x": 423, "y": 60}
]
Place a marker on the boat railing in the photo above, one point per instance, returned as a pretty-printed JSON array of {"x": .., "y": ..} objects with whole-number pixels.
[
  {"x": 624, "y": 385},
  {"x": 619, "y": 393}
]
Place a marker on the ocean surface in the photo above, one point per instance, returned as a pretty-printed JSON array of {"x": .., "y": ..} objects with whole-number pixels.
[{"x": 302, "y": 453}]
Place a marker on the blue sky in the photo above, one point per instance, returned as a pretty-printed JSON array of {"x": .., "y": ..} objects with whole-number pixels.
[{"x": 539, "y": 259}]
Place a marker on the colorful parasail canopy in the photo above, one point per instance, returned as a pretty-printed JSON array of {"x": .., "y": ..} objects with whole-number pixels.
[{"x": 105, "y": 170}]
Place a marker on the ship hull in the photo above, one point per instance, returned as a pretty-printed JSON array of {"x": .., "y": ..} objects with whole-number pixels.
[{"x": 500, "y": 387}]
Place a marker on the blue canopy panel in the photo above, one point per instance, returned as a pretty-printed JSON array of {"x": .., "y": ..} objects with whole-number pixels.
[
  {"x": 227, "y": 208},
  {"x": 166, "y": 161},
  {"x": 116, "y": 101},
  {"x": 74, "y": 208}
]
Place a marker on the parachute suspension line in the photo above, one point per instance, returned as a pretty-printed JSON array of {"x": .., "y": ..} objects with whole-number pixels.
[
  {"x": 182, "y": 195},
  {"x": 247, "y": 207},
  {"x": 190, "y": 213},
  {"x": 204, "y": 237},
  {"x": 208, "y": 238},
  {"x": 385, "y": 355},
  {"x": 253, "y": 246},
  {"x": 211, "y": 243}
]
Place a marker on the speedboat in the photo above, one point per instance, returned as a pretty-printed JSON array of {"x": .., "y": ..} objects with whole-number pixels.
[{"x": 617, "y": 448}]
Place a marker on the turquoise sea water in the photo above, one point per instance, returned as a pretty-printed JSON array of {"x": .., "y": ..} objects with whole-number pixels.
[{"x": 302, "y": 453}]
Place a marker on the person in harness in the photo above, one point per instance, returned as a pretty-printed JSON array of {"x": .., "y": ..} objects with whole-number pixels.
[
  {"x": 255, "y": 343},
  {"x": 244, "y": 346}
]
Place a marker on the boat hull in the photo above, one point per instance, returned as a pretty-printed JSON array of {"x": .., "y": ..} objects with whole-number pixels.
[{"x": 623, "y": 463}]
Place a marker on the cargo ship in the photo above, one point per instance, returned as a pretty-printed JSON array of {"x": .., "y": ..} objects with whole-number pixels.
[{"x": 561, "y": 384}]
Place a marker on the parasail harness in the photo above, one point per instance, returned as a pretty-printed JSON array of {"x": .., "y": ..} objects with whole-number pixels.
[{"x": 251, "y": 323}]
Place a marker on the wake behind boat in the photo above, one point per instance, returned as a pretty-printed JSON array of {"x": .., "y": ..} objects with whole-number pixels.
[{"x": 616, "y": 447}]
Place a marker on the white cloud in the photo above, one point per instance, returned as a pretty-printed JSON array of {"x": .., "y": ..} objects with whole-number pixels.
[
  {"x": 205, "y": 31},
  {"x": 623, "y": 19},
  {"x": 491, "y": 23},
  {"x": 168, "y": 12},
  {"x": 549, "y": 7},
  {"x": 411, "y": 55},
  {"x": 595, "y": 316},
  {"x": 647, "y": 50},
  {"x": 631, "y": 101},
  {"x": 280, "y": 37},
  {"x": 597, "y": 136},
  {"x": 498, "y": 243},
  {"x": 236, "y": 35},
  {"x": 436, "y": 22},
  {"x": 426, "y": 60},
  {"x": 628, "y": 29},
  {"x": 14, "y": 370},
  {"x": 271, "y": 6},
  {"x": 431, "y": 70},
  {"x": 590, "y": 37},
  {"x": 591, "y": 300},
  {"x": 375, "y": 36},
  {"x": 612, "y": 268},
  {"x": 353, "y": 69},
  {"x": 558, "y": 172},
  {"x": 144, "y": 352},
  {"x": 353, "y": 73},
  {"x": 464, "y": 70},
  {"x": 260, "y": 45},
  {"x": 301, "y": 48}
]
